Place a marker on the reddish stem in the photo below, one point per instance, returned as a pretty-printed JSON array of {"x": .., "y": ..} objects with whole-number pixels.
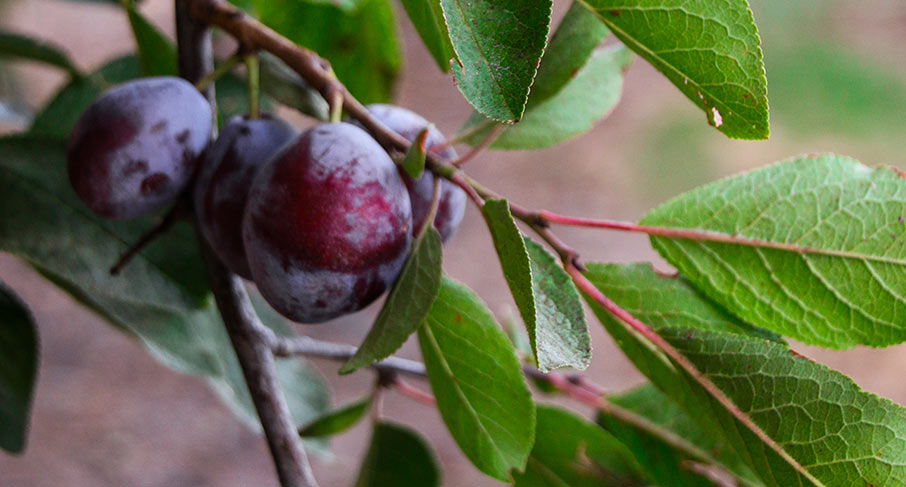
[
  {"x": 648, "y": 333},
  {"x": 478, "y": 149},
  {"x": 684, "y": 233},
  {"x": 414, "y": 393},
  {"x": 457, "y": 179}
]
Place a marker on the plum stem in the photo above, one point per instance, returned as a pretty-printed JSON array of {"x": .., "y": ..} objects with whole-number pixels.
[
  {"x": 178, "y": 212},
  {"x": 239, "y": 318},
  {"x": 413, "y": 392},
  {"x": 254, "y": 84},
  {"x": 335, "y": 102},
  {"x": 432, "y": 208},
  {"x": 223, "y": 68}
]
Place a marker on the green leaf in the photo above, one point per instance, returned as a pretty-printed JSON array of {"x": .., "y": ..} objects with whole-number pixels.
[
  {"x": 428, "y": 19},
  {"x": 570, "y": 92},
  {"x": 19, "y": 46},
  {"x": 362, "y": 46},
  {"x": 285, "y": 86},
  {"x": 571, "y": 452},
  {"x": 60, "y": 114},
  {"x": 155, "y": 52},
  {"x": 406, "y": 306},
  {"x": 162, "y": 296},
  {"x": 671, "y": 298},
  {"x": 18, "y": 368},
  {"x": 336, "y": 421},
  {"x": 665, "y": 457},
  {"x": 841, "y": 279},
  {"x": 44, "y": 222},
  {"x": 544, "y": 293},
  {"x": 398, "y": 456},
  {"x": 570, "y": 48},
  {"x": 710, "y": 50},
  {"x": 499, "y": 45},
  {"x": 587, "y": 98},
  {"x": 414, "y": 161},
  {"x": 819, "y": 428},
  {"x": 477, "y": 381}
]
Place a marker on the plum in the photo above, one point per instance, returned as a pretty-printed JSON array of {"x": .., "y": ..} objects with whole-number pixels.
[
  {"x": 135, "y": 147},
  {"x": 452, "y": 200},
  {"x": 225, "y": 176},
  {"x": 327, "y": 225}
]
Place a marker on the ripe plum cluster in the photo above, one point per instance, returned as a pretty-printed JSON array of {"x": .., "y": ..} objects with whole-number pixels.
[{"x": 320, "y": 220}]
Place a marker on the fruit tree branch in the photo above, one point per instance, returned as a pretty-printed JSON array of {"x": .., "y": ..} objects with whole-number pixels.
[
  {"x": 239, "y": 318},
  {"x": 575, "y": 387},
  {"x": 302, "y": 345},
  {"x": 318, "y": 73}
]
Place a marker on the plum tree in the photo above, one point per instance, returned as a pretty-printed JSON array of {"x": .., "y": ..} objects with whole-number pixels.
[
  {"x": 327, "y": 225},
  {"x": 135, "y": 148},
  {"x": 224, "y": 177},
  {"x": 452, "y": 201}
]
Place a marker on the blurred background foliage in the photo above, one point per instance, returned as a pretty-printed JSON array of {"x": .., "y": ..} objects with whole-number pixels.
[{"x": 836, "y": 82}]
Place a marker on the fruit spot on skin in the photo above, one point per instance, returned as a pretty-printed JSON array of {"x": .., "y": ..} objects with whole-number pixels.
[
  {"x": 134, "y": 149},
  {"x": 159, "y": 126},
  {"x": 154, "y": 183},
  {"x": 135, "y": 167},
  {"x": 182, "y": 137}
]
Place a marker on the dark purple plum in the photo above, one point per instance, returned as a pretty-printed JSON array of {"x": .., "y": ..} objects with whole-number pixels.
[
  {"x": 452, "y": 202},
  {"x": 135, "y": 148},
  {"x": 328, "y": 224},
  {"x": 226, "y": 173}
]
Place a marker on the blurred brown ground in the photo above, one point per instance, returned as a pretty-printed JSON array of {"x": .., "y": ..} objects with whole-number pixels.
[{"x": 107, "y": 414}]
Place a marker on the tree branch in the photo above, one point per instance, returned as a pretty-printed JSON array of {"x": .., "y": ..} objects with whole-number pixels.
[
  {"x": 180, "y": 210},
  {"x": 576, "y": 387},
  {"x": 302, "y": 345},
  {"x": 239, "y": 318},
  {"x": 317, "y": 72}
]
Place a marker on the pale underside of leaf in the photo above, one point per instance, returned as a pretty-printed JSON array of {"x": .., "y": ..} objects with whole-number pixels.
[{"x": 543, "y": 292}]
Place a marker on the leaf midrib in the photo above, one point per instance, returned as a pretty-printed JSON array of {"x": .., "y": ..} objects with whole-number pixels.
[
  {"x": 442, "y": 360},
  {"x": 484, "y": 56}
]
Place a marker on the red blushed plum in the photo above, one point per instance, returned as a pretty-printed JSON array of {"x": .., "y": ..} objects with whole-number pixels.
[
  {"x": 134, "y": 149},
  {"x": 327, "y": 225},
  {"x": 452, "y": 201},
  {"x": 227, "y": 170}
]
